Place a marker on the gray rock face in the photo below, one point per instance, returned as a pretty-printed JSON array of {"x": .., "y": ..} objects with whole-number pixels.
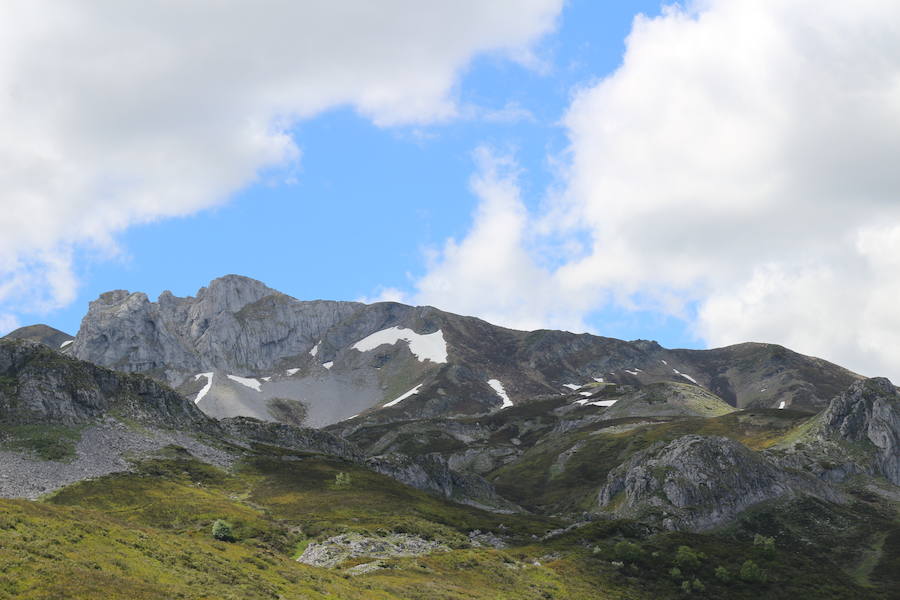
[
  {"x": 859, "y": 433},
  {"x": 869, "y": 412},
  {"x": 235, "y": 325},
  {"x": 697, "y": 482}
]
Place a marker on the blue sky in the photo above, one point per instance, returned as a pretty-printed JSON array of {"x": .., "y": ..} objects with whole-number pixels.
[
  {"x": 369, "y": 200},
  {"x": 728, "y": 175}
]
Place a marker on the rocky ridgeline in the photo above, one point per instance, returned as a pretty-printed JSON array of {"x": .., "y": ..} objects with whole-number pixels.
[{"x": 304, "y": 350}]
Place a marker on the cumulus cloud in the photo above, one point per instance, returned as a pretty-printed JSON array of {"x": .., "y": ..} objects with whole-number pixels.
[
  {"x": 119, "y": 113},
  {"x": 742, "y": 160}
]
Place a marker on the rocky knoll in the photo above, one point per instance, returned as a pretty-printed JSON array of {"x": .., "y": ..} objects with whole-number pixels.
[
  {"x": 697, "y": 482},
  {"x": 41, "y": 333},
  {"x": 859, "y": 432},
  {"x": 40, "y": 385}
]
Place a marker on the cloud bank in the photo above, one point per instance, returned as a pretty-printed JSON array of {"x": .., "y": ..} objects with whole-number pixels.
[
  {"x": 741, "y": 160},
  {"x": 119, "y": 113}
]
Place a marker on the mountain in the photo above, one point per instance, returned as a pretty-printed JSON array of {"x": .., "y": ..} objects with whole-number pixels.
[
  {"x": 483, "y": 462},
  {"x": 239, "y": 348},
  {"x": 43, "y": 334}
]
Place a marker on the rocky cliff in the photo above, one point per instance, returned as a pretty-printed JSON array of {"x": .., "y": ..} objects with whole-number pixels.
[
  {"x": 698, "y": 482},
  {"x": 859, "y": 432}
]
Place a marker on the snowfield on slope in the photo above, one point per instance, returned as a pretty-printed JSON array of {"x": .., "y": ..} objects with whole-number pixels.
[
  {"x": 411, "y": 392},
  {"x": 430, "y": 346},
  {"x": 498, "y": 387},
  {"x": 246, "y": 381},
  {"x": 203, "y": 392}
]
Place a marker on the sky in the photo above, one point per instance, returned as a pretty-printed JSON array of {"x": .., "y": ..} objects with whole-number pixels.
[{"x": 701, "y": 174}]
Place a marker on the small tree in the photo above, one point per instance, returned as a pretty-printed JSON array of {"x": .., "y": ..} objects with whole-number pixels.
[
  {"x": 675, "y": 572},
  {"x": 722, "y": 574},
  {"x": 221, "y": 530},
  {"x": 751, "y": 573},
  {"x": 697, "y": 585}
]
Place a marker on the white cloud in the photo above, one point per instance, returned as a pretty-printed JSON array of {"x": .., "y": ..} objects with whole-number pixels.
[
  {"x": 743, "y": 157},
  {"x": 492, "y": 272},
  {"x": 118, "y": 113}
]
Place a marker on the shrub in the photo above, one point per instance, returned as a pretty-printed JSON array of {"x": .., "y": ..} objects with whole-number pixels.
[
  {"x": 750, "y": 572},
  {"x": 687, "y": 559},
  {"x": 221, "y": 530},
  {"x": 627, "y": 551},
  {"x": 722, "y": 574},
  {"x": 342, "y": 480},
  {"x": 766, "y": 545},
  {"x": 675, "y": 572},
  {"x": 697, "y": 585},
  {"x": 686, "y": 586}
]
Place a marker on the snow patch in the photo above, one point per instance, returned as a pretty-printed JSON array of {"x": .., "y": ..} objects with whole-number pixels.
[
  {"x": 315, "y": 349},
  {"x": 632, "y": 372},
  {"x": 430, "y": 346},
  {"x": 246, "y": 381},
  {"x": 602, "y": 403},
  {"x": 292, "y": 372},
  {"x": 664, "y": 362},
  {"x": 209, "y": 378},
  {"x": 266, "y": 378},
  {"x": 677, "y": 372},
  {"x": 583, "y": 402},
  {"x": 598, "y": 379},
  {"x": 351, "y": 417},
  {"x": 411, "y": 392},
  {"x": 329, "y": 364},
  {"x": 66, "y": 343},
  {"x": 571, "y": 386},
  {"x": 782, "y": 404},
  {"x": 764, "y": 389},
  {"x": 586, "y": 393},
  {"x": 498, "y": 387}
]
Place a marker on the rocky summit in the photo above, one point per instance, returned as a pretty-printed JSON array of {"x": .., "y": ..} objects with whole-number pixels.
[{"x": 245, "y": 444}]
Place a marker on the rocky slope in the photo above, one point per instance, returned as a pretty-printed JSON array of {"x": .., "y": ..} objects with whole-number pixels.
[
  {"x": 238, "y": 344},
  {"x": 46, "y": 395},
  {"x": 698, "y": 482}
]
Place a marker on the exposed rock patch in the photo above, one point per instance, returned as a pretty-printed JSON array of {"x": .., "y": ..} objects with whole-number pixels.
[
  {"x": 335, "y": 550},
  {"x": 697, "y": 482}
]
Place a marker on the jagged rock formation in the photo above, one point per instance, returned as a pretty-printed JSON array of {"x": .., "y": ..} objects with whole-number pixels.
[
  {"x": 697, "y": 482},
  {"x": 859, "y": 432},
  {"x": 238, "y": 344},
  {"x": 44, "y": 334}
]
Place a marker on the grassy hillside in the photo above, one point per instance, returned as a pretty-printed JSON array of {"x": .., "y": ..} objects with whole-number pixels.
[{"x": 147, "y": 535}]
